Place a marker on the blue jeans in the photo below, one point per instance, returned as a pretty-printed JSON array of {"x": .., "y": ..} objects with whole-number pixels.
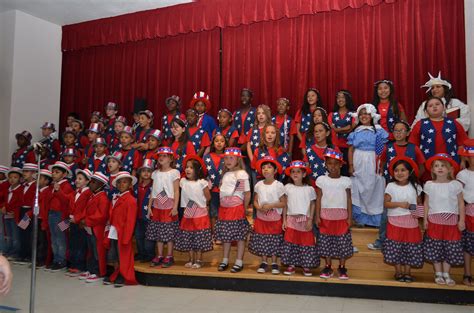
[
  {"x": 2, "y": 234},
  {"x": 383, "y": 229},
  {"x": 93, "y": 260},
  {"x": 12, "y": 244},
  {"x": 58, "y": 238},
  {"x": 145, "y": 248},
  {"x": 214, "y": 204},
  {"x": 77, "y": 247}
]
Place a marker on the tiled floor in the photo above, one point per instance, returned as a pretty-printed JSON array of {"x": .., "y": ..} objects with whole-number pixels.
[{"x": 58, "y": 293}]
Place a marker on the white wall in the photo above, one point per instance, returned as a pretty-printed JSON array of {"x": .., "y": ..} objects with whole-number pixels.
[
  {"x": 35, "y": 78},
  {"x": 469, "y": 22}
]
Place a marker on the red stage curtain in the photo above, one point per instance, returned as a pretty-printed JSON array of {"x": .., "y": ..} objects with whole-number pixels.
[
  {"x": 350, "y": 49},
  {"x": 152, "y": 69},
  {"x": 194, "y": 17}
]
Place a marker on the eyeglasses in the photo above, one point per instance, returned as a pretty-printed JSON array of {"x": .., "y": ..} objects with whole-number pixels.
[{"x": 399, "y": 131}]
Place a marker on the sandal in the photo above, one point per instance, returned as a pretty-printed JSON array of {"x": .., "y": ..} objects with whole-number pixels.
[
  {"x": 189, "y": 264},
  {"x": 399, "y": 277},
  {"x": 222, "y": 267},
  {"x": 197, "y": 264},
  {"x": 449, "y": 281},
  {"x": 236, "y": 268},
  {"x": 440, "y": 280},
  {"x": 467, "y": 280},
  {"x": 408, "y": 278}
]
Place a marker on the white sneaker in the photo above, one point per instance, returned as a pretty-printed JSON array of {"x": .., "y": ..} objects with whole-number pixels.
[
  {"x": 84, "y": 275},
  {"x": 92, "y": 278}
]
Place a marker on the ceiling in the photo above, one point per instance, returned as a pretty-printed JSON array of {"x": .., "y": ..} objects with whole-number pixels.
[{"x": 64, "y": 12}]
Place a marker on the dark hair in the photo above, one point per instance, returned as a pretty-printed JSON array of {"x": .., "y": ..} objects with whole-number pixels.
[
  {"x": 183, "y": 140},
  {"x": 82, "y": 173},
  {"x": 412, "y": 179},
  {"x": 327, "y": 128},
  {"x": 319, "y": 102},
  {"x": 198, "y": 171},
  {"x": 407, "y": 126},
  {"x": 73, "y": 114},
  {"x": 305, "y": 180},
  {"x": 371, "y": 122},
  {"x": 213, "y": 149},
  {"x": 432, "y": 97},
  {"x": 247, "y": 90},
  {"x": 392, "y": 99},
  {"x": 272, "y": 164},
  {"x": 310, "y": 131},
  {"x": 349, "y": 102},
  {"x": 448, "y": 93}
]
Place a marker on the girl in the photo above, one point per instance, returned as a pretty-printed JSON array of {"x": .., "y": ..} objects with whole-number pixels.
[
  {"x": 113, "y": 138},
  {"x": 182, "y": 145},
  {"x": 226, "y": 128},
  {"x": 163, "y": 207},
  {"x": 264, "y": 117},
  {"x": 215, "y": 166},
  {"x": 299, "y": 244},
  {"x": 387, "y": 106},
  {"x": 333, "y": 215},
  {"x": 403, "y": 246},
  {"x": 195, "y": 228},
  {"x": 365, "y": 145},
  {"x": 285, "y": 124},
  {"x": 153, "y": 141},
  {"x": 111, "y": 111},
  {"x": 244, "y": 118},
  {"x": 319, "y": 116},
  {"x": 270, "y": 146},
  {"x": 198, "y": 136},
  {"x": 312, "y": 100},
  {"x": 444, "y": 218},
  {"x": 70, "y": 142},
  {"x": 232, "y": 224},
  {"x": 173, "y": 104},
  {"x": 342, "y": 122},
  {"x": 132, "y": 159},
  {"x": 98, "y": 161},
  {"x": 269, "y": 200},
  {"x": 146, "y": 122},
  {"x": 438, "y": 87},
  {"x": 466, "y": 177}
]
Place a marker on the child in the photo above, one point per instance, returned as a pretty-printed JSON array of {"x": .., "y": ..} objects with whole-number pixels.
[
  {"x": 195, "y": 234},
  {"x": 198, "y": 136},
  {"x": 333, "y": 215},
  {"x": 403, "y": 246},
  {"x": 77, "y": 212},
  {"x": 269, "y": 200},
  {"x": 163, "y": 207},
  {"x": 285, "y": 124},
  {"x": 224, "y": 117},
  {"x": 26, "y": 211},
  {"x": 50, "y": 141},
  {"x": 24, "y": 154},
  {"x": 113, "y": 138},
  {"x": 444, "y": 218},
  {"x": 44, "y": 254},
  {"x": 299, "y": 244},
  {"x": 215, "y": 167},
  {"x": 311, "y": 101},
  {"x": 182, "y": 145},
  {"x": 77, "y": 127},
  {"x": 69, "y": 156},
  {"x": 145, "y": 121},
  {"x": 97, "y": 215},
  {"x": 92, "y": 134},
  {"x": 154, "y": 142},
  {"x": 142, "y": 192},
  {"x": 342, "y": 122},
  {"x": 319, "y": 116},
  {"x": 11, "y": 214},
  {"x": 244, "y": 117},
  {"x": 202, "y": 105},
  {"x": 387, "y": 106},
  {"x": 365, "y": 145},
  {"x": 4, "y": 185},
  {"x": 232, "y": 224},
  {"x": 111, "y": 110},
  {"x": 114, "y": 164},
  {"x": 466, "y": 177},
  {"x": 131, "y": 159},
  {"x": 173, "y": 104},
  {"x": 97, "y": 162},
  {"x": 264, "y": 118},
  {"x": 58, "y": 212},
  {"x": 123, "y": 214},
  {"x": 70, "y": 118},
  {"x": 70, "y": 142},
  {"x": 96, "y": 117}
]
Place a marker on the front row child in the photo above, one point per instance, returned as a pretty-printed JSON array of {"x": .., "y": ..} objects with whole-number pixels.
[
  {"x": 299, "y": 244},
  {"x": 269, "y": 200},
  {"x": 403, "y": 245},
  {"x": 195, "y": 234},
  {"x": 11, "y": 214},
  {"x": 232, "y": 224},
  {"x": 444, "y": 218},
  {"x": 333, "y": 215}
]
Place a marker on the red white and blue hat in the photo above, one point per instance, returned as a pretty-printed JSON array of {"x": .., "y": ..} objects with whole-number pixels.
[
  {"x": 127, "y": 130},
  {"x": 99, "y": 141},
  {"x": 121, "y": 119},
  {"x": 147, "y": 113},
  {"x": 112, "y": 106},
  {"x": 442, "y": 157},
  {"x": 30, "y": 167},
  {"x": 121, "y": 175},
  {"x": 14, "y": 170},
  {"x": 101, "y": 177},
  {"x": 155, "y": 133},
  {"x": 148, "y": 163},
  {"x": 48, "y": 125},
  {"x": 410, "y": 161},
  {"x": 46, "y": 172},
  {"x": 271, "y": 160},
  {"x": 94, "y": 127},
  {"x": 97, "y": 113},
  {"x": 117, "y": 155},
  {"x": 69, "y": 152},
  {"x": 79, "y": 122},
  {"x": 86, "y": 172},
  {"x": 68, "y": 130},
  {"x": 297, "y": 164},
  {"x": 333, "y": 154},
  {"x": 61, "y": 165},
  {"x": 201, "y": 96},
  {"x": 26, "y": 134},
  {"x": 468, "y": 149},
  {"x": 233, "y": 151},
  {"x": 224, "y": 110},
  {"x": 4, "y": 169},
  {"x": 173, "y": 98},
  {"x": 165, "y": 150}
]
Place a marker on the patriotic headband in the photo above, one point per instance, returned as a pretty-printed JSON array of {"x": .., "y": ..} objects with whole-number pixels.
[
  {"x": 121, "y": 119},
  {"x": 435, "y": 81},
  {"x": 69, "y": 152},
  {"x": 468, "y": 150},
  {"x": 148, "y": 163},
  {"x": 128, "y": 130},
  {"x": 224, "y": 110},
  {"x": 101, "y": 177},
  {"x": 386, "y": 81},
  {"x": 94, "y": 127},
  {"x": 233, "y": 151},
  {"x": 297, "y": 164},
  {"x": 165, "y": 150},
  {"x": 30, "y": 167},
  {"x": 442, "y": 157}
]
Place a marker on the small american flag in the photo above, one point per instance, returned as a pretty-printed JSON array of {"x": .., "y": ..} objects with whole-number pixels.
[
  {"x": 379, "y": 145},
  {"x": 273, "y": 213},
  {"x": 162, "y": 197},
  {"x": 417, "y": 210},
  {"x": 240, "y": 186},
  {"x": 191, "y": 208},
  {"x": 63, "y": 225},
  {"x": 25, "y": 222},
  {"x": 301, "y": 218}
]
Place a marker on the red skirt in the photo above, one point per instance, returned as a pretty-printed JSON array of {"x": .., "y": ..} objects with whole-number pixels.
[
  {"x": 231, "y": 213},
  {"x": 268, "y": 227},
  {"x": 401, "y": 234},
  {"x": 302, "y": 238},
  {"x": 470, "y": 223},
  {"x": 443, "y": 232},
  {"x": 163, "y": 215},
  {"x": 195, "y": 223},
  {"x": 333, "y": 227}
]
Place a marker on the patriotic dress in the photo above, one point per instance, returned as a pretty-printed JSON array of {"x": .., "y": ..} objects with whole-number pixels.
[
  {"x": 404, "y": 244},
  {"x": 466, "y": 176},
  {"x": 244, "y": 122},
  {"x": 231, "y": 224},
  {"x": 266, "y": 238},
  {"x": 442, "y": 242},
  {"x": 287, "y": 128},
  {"x": 195, "y": 227},
  {"x": 163, "y": 227},
  {"x": 230, "y": 133},
  {"x": 367, "y": 187},
  {"x": 299, "y": 245},
  {"x": 97, "y": 164},
  {"x": 335, "y": 240},
  {"x": 215, "y": 167}
]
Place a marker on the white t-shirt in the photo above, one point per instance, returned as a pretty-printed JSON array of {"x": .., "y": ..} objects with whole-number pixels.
[
  {"x": 443, "y": 197},
  {"x": 270, "y": 193},
  {"x": 193, "y": 190},
  {"x": 164, "y": 180},
  {"x": 467, "y": 178},
  {"x": 299, "y": 199},
  {"x": 229, "y": 184},
  {"x": 334, "y": 191},
  {"x": 402, "y": 194}
]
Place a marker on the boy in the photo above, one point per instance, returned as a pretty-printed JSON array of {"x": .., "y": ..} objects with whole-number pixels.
[
  {"x": 113, "y": 138},
  {"x": 145, "y": 121},
  {"x": 154, "y": 142},
  {"x": 111, "y": 110},
  {"x": 69, "y": 158},
  {"x": 97, "y": 162},
  {"x": 50, "y": 141},
  {"x": 11, "y": 214},
  {"x": 201, "y": 104},
  {"x": 114, "y": 164},
  {"x": 3, "y": 198},
  {"x": 198, "y": 135},
  {"x": 285, "y": 124},
  {"x": 92, "y": 134},
  {"x": 24, "y": 153},
  {"x": 44, "y": 254},
  {"x": 131, "y": 158}
]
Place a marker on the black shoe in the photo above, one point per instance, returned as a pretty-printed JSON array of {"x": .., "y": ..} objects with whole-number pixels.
[
  {"x": 57, "y": 267},
  {"x": 146, "y": 259},
  {"x": 236, "y": 268},
  {"x": 138, "y": 257},
  {"x": 107, "y": 280},
  {"x": 119, "y": 282},
  {"x": 222, "y": 267}
]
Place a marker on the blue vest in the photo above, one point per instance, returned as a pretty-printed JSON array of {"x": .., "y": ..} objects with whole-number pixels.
[
  {"x": 428, "y": 136},
  {"x": 317, "y": 165},
  {"x": 391, "y": 153},
  {"x": 127, "y": 161},
  {"x": 196, "y": 139},
  {"x": 102, "y": 166},
  {"x": 110, "y": 190},
  {"x": 229, "y": 132},
  {"x": 72, "y": 179},
  {"x": 341, "y": 123},
  {"x": 214, "y": 174},
  {"x": 180, "y": 159},
  {"x": 284, "y": 131},
  {"x": 248, "y": 123},
  {"x": 255, "y": 139},
  {"x": 283, "y": 158},
  {"x": 208, "y": 124},
  {"x": 109, "y": 129},
  {"x": 305, "y": 122},
  {"x": 167, "y": 134},
  {"x": 146, "y": 199},
  {"x": 48, "y": 143},
  {"x": 19, "y": 159}
]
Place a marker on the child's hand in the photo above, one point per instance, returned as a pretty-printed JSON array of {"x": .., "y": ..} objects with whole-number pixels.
[
  {"x": 405, "y": 205},
  {"x": 283, "y": 225},
  {"x": 56, "y": 187},
  {"x": 174, "y": 212},
  {"x": 149, "y": 213},
  {"x": 309, "y": 224},
  {"x": 4, "y": 210},
  {"x": 71, "y": 217},
  {"x": 425, "y": 224},
  {"x": 461, "y": 225},
  {"x": 351, "y": 170},
  {"x": 318, "y": 220},
  {"x": 349, "y": 221}
]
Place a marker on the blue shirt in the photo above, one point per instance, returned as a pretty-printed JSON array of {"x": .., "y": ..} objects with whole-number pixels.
[{"x": 364, "y": 138}]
